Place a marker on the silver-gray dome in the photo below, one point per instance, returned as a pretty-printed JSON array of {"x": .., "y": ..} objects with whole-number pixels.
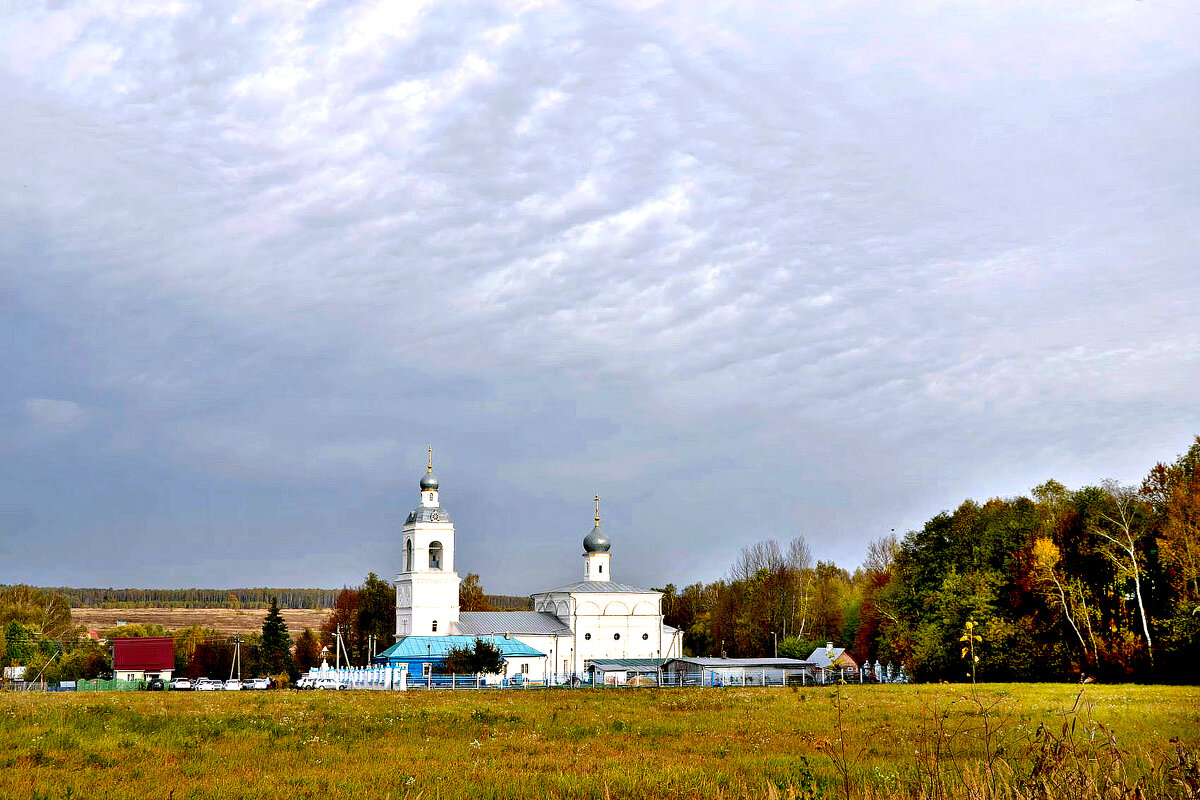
[
  {"x": 429, "y": 482},
  {"x": 596, "y": 541}
]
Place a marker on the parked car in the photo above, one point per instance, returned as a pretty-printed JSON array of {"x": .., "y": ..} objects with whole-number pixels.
[
  {"x": 181, "y": 685},
  {"x": 328, "y": 683},
  {"x": 257, "y": 683},
  {"x": 233, "y": 685},
  {"x": 304, "y": 682},
  {"x": 156, "y": 685},
  {"x": 207, "y": 685}
]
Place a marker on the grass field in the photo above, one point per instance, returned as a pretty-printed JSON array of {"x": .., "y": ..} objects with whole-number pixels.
[
  {"x": 899, "y": 741},
  {"x": 225, "y": 620}
]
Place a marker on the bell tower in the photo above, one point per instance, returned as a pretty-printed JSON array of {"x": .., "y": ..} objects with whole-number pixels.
[{"x": 427, "y": 585}]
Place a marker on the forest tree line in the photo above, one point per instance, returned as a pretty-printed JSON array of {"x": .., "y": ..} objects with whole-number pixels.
[{"x": 1102, "y": 581}]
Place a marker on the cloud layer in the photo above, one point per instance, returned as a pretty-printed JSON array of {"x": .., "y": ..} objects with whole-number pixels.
[{"x": 745, "y": 272}]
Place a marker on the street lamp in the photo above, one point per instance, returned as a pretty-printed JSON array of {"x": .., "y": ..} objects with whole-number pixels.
[{"x": 775, "y": 638}]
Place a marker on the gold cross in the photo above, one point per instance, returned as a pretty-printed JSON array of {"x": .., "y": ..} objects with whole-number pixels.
[
  {"x": 431, "y": 458},
  {"x": 597, "y": 509}
]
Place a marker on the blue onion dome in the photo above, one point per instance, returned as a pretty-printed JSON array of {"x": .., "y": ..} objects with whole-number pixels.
[
  {"x": 596, "y": 541},
  {"x": 429, "y": 482}
]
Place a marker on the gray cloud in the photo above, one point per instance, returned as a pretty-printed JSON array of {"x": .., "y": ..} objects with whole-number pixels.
[{"x": 744, "y": 272}]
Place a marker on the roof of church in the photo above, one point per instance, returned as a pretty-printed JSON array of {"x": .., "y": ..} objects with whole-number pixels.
[
  {"x": 412, "y": 647},
  {"x": 606, "y": 587},
  {"x": 426, "y": 514},
  {"x": 479, "y": 623}
]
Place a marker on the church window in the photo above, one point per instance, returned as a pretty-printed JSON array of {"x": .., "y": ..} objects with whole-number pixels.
[
  {"x": 408, "y": 553},
  {"x": 435, "y": 626},
  {"x": 616, "y": 636},
  {"x": 435, "y": 555},
  {"x": 587, "y": 636},
  {"x": 600, "y": 568},
  {"x": 645, "y": 636},
  {"x": 431, "y": 497}
]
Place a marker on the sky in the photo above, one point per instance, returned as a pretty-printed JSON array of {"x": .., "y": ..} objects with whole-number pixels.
[{"x": 746, "y": 271}]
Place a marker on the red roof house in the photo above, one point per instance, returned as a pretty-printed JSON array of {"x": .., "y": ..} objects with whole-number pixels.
[{"x": 138, "y": 658}]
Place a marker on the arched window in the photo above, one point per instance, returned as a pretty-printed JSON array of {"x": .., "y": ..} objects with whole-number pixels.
[
  {"x": 435, "y": 555},
  {"x": 435, "y": 626},
  {"x": 600, "y": 568},
  {"x": 408, "y": 556}
]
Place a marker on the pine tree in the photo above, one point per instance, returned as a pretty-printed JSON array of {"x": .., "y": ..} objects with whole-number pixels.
[{"x": 276, "y": 644}]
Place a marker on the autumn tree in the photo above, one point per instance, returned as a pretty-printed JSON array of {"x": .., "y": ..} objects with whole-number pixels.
[
  {"x": 471, "y": 596},
  {"x": 308, "y": 651}
]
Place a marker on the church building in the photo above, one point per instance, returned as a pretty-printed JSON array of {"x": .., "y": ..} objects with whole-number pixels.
[{"x": 572, "y": 625}]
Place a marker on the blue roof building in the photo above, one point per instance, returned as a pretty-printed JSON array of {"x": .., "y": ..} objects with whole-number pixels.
[{"x": 414, "y": 652}]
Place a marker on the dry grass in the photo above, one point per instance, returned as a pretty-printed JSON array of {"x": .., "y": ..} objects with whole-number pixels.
[
  {"x": 691, "y": 743},
  {"x": 226, "y": 620}
]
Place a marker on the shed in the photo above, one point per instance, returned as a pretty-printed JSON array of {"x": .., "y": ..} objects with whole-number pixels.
[{"x": 141, "y": 658}]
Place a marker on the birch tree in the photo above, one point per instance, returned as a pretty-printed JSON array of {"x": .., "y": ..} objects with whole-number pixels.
[{"x": 1121, "y": 533}]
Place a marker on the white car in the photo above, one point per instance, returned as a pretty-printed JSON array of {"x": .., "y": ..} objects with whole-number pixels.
[
  {"x": 181, "y": 684},
  {"x": 207, "y": 685},
  {"x": 257, "y": 683},
  {"x": 304, "y": 682},
  {"x": 328, "y": 683},
  {"x": 233, "y": 685}
]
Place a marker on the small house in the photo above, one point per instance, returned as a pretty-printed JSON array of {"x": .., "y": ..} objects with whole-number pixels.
[
  {"x": 143, "y": 658},
  {"x": 833, "y": 658}
]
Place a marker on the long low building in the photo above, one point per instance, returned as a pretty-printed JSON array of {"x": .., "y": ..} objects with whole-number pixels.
[{"x": 736, "y": 671}]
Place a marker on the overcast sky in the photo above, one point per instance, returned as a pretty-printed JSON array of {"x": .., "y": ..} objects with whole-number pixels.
[{"x": 807, "y": 269}]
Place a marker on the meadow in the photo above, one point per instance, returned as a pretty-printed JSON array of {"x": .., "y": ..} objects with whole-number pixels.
[{"x": 859, "y": 741}]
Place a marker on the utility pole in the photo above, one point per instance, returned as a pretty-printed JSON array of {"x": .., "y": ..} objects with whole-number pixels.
[
  {"x": 237, "y": 657},
  {"x": 337, "y": 647}
]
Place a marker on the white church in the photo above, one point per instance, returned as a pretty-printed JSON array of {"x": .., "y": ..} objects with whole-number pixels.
[{"x": 571, "y": 626}]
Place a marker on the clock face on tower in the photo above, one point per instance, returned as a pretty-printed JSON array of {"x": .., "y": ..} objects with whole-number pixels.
[{"x": 434, "y": 516}]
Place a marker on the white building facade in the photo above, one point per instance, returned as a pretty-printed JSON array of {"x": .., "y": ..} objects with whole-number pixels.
[{"x": 595, "y": 618}]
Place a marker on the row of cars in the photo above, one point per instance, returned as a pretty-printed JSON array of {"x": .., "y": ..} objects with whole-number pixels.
[
  {"x": 211, "y": 685},
  {"x": 311, "y": 682}
]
